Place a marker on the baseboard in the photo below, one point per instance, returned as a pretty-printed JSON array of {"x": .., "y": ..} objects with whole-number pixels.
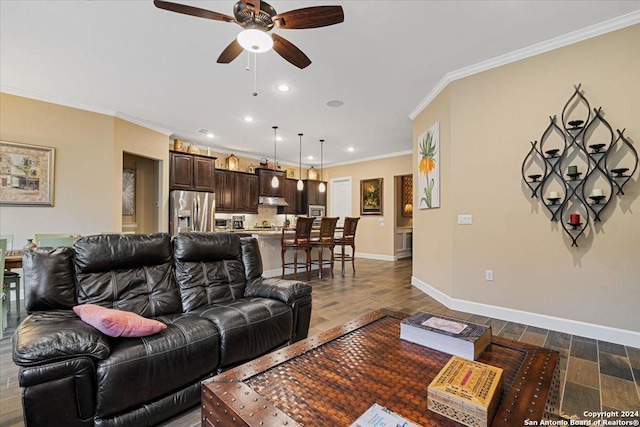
[
  {"x": 574, "y": 327},
  {"x": 376, "y": 256}
]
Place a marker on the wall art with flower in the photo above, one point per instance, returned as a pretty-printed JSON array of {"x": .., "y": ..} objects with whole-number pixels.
[{"x": 429, "y": 168}]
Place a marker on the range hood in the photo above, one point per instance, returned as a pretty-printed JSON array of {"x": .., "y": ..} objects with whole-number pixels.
[{"x": 272, "y": 201}]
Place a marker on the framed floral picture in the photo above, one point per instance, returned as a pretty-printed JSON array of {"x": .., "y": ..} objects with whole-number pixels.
[
  {"x": 429, "y": 168},
  {"x": 371, "y": 196},
  {"x": 26, "y": 174}
]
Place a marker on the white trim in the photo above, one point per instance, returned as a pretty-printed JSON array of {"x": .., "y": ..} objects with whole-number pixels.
[
  {"x": 574, "y": 327},
  {"x": 379, "y": 257},
  {"x": 614, "y": 24},
  {"x": 143, "y": 123},
  {"x": 73, "y": 104},
  {"x": 54, "y": 100},
  {"x": 366, "y": 159}
]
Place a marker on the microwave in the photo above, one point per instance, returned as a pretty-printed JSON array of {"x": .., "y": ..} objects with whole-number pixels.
[{"x": 316, "y": 211}]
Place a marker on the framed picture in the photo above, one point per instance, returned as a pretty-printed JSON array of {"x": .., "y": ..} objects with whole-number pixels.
[
  {"x": 429, "y": 168},
  {"x": 26, "y": 174},
  {"x": 128, "y": 191},
  {"x": 291, "y": 173},
  {"x": 371, "y": 196}
]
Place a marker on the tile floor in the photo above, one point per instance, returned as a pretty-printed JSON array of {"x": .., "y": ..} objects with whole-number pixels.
[{"x": 595, "y": 375}]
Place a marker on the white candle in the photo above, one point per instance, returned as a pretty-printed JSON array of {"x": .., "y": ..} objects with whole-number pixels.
[
  {"x": 597, "y": 192},
  {"x": 553, "y": 195}
]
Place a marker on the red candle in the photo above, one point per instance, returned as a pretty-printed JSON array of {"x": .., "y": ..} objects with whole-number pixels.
[{"x": 574, "y": 218}]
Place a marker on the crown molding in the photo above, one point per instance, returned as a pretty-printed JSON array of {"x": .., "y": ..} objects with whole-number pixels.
[
  {"x": 366, "y": 159},
  {"x": 54, "y": 100},
  {"x": 574, "y": 37},
  {"x": 143, "y": 123}
]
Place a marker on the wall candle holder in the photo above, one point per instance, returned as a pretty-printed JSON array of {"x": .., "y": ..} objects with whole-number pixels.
[{"x": 609, "y": 164}]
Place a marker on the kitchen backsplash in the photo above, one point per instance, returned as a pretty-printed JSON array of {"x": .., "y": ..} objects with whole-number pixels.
[{"x": 265, "y": 213}]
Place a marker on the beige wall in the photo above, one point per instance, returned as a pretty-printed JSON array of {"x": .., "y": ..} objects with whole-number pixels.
[
  {"x": 88, "y": 166},
  {"x": 370, "y": 237},
  {"x": 487, "y": 121}
]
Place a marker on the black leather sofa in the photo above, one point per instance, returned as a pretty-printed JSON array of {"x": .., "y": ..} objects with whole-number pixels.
[{"x": 206, "y": 287}]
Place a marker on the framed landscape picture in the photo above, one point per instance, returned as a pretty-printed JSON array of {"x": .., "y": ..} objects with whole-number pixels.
[
  {"x": 371, "y": 196},
  {"x": 26, "y": 174}
]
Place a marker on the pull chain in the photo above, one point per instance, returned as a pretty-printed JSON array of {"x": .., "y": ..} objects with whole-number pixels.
[{"x": 255, "y": 74}]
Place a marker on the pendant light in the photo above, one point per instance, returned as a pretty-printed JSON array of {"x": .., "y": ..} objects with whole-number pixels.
[
  {"x": 322, "y": 188},
  {"x": 274, "y": 181},
  {"x": 300, "y": 183}
]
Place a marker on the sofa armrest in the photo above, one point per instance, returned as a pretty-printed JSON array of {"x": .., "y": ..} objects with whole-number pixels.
[
  {"x": 50, "y": 336},
  {"x": 286, "y": 291}
]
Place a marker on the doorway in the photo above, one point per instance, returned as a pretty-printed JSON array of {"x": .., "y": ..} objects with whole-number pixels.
[{"x": 140, "y": 194}]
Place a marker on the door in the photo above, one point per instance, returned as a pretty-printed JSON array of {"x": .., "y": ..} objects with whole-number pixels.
[{"x": 340, "y": 195}]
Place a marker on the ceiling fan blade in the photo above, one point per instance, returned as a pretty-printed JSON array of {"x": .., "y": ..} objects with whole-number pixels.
[
  {"x": 193, "y": 11},
  {"x": 309, "y": 17},
  {"x": 230, "y": 53},
  {"x": 288, "y": 51},
  {"x": 253, "y": 5}
]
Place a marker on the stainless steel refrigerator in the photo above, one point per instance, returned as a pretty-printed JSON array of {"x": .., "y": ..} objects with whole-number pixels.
[{"x": 191, "y": 211}]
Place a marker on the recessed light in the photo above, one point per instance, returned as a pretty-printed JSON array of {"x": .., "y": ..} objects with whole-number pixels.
[
  {"x": 351, "y": 149},
  {"x": 310, "y": 157},
  {"x": 210, "y": 135},
  {"x": 278, "y": 138},
  {"x": 206, "y": 132},
  {"x": 284, "y": 88},
  {"x": 335, "y": 103},
  {"x": 248, "y": 119}
]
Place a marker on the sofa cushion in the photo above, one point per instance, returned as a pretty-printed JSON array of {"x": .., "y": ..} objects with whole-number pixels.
[
  {"x": 49, "y": 279},
  {"x": 209, "y": 268},
  {"x": 117, "y": 323},
  {"x": 130, "y": 272},
  {"x": 142, "y": 370},
  {"x": 249, "y": 327}
]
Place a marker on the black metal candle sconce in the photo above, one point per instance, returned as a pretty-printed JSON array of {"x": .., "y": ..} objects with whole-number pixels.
[{"x": 612, "y": 161}]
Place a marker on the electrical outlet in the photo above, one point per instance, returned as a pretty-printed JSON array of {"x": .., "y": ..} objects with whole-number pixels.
[
  {"x": 488, "y": 275},
  {"x": 465, "y": 219}
]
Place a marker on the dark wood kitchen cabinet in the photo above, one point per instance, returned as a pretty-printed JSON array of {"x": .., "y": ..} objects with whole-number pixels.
[
  {"x": 236, "y": 192},
  {"x": 191, "y": 172},
  {"x": 311, "y": 194},
  {"x": 246, "y": 193},
  {"x": 265, "y": 177},
  {"x": 292, "y": 196}
]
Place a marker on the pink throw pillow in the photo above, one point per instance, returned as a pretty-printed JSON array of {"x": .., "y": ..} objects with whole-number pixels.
[{"x": 117, "y": 323}]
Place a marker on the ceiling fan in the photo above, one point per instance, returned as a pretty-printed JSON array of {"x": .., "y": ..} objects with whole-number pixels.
[{"x": 258, "y": 18}]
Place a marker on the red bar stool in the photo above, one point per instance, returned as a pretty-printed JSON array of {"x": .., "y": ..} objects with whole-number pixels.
[
  {"x": 300, "y": 242},
  {"x": 326, "y": 239},
  {"x": 348, "y": 238}
]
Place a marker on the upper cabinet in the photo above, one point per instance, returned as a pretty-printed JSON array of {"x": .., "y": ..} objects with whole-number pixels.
[
  {"x": 191, "y": 172},
  {"x": 311, "y": 194},
  {"x": 236, "y": 192},
  {"x": 266, "y": 189},
  {"x": 292, "y": 196}
]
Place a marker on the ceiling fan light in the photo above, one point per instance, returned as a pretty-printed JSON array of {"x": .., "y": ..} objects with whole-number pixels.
[{"x": 256, "y": 41}]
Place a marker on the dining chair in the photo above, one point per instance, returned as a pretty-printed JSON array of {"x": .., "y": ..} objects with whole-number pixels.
[
  {"x": 348, "y": 238},
  {"x": 325, "y": 240},
  {"x": 11, "y": 280},
  {"x": 300, "y": 242}
]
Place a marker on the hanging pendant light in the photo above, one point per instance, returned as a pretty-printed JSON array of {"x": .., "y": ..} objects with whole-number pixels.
[
  {"x": 322, "y": 188},
  {"x": 275, "y": 182},
  {"x": 300, "y": 183}
]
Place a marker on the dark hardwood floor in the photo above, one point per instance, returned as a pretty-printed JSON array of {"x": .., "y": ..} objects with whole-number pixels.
[{"x": 595, "y": 375}]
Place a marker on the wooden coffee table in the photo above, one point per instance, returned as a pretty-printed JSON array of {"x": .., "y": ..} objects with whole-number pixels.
[{"x": 334, "y": 377}]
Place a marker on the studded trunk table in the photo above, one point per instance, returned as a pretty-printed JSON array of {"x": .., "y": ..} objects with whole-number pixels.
[{"x": 330, "y": 379}]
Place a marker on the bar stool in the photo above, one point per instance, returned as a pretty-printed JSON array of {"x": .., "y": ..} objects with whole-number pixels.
[
  {"x": 348, "y": 238},
  {"x": 326, "y": 239},
  {"x": 300, "y": 242}
]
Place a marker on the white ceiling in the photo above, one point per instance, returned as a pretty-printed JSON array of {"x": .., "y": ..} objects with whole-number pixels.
[{"x": 130, "y": 59}]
